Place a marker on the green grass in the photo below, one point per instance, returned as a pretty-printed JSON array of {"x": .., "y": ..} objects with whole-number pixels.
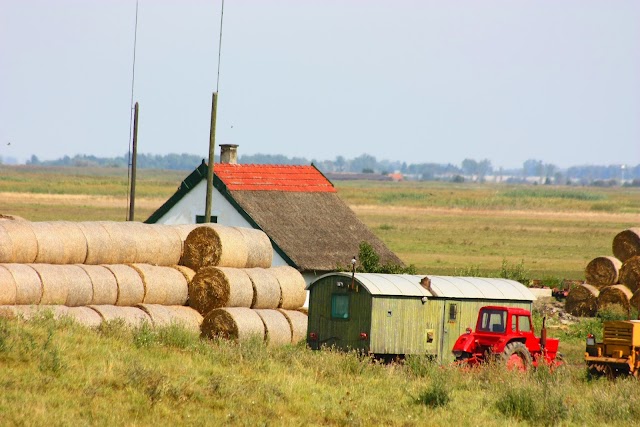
[{"x": 58, "y": 373}]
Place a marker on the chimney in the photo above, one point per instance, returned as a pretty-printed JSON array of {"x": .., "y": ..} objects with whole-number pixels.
[{"x": 229, "y": 153}]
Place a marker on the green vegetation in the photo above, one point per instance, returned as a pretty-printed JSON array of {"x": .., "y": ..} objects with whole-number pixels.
[{"x": 57, "y": 373}]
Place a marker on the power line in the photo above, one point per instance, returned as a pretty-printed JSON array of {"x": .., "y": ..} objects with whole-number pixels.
[
  {"x": 131, "y": 108},
  {"x": 220, "y": 45}
]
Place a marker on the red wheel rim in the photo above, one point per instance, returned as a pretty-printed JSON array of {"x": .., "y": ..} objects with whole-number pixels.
[{"x": 516, "y": 363}]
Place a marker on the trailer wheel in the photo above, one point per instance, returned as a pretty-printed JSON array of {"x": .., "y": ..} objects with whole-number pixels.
[{"x": 516, "y": 356}]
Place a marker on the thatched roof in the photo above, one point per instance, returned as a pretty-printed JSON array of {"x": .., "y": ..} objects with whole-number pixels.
[{"x": 297, "y": 207}]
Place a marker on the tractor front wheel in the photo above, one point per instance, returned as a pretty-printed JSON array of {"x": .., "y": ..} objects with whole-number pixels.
[{"x": 516, "y": 356}]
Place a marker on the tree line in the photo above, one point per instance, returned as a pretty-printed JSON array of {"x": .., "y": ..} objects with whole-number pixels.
[{"x": 532, "y": 170}]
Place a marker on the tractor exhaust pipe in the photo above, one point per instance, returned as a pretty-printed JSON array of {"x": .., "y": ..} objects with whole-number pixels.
[{"x": 543, "y": 334}]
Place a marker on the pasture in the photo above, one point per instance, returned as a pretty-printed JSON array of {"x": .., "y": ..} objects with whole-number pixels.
[
  {"x": 441, "y": 228},
  {"x": 58, "y": 373}
]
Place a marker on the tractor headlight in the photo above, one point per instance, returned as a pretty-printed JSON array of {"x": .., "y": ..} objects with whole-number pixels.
[
  {"x": 591, "y": 340},
  {"x": 457, "y": 353}
]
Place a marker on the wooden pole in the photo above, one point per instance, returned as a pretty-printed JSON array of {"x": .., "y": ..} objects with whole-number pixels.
[
  {"x": 134, "y": 156},
  {"x": 212, "y": 147}
]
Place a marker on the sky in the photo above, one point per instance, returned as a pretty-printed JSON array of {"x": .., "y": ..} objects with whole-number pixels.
[{"x": 420, "y": 81}]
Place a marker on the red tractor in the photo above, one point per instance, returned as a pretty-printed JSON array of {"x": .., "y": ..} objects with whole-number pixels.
[{"x": 505, "y": 335}]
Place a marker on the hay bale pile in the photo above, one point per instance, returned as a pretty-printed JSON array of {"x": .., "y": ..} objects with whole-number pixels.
[
  {"x": 612, "y": 282},
  {"x": 217, "y": 276},
  {"x": 225, "y": 296}
]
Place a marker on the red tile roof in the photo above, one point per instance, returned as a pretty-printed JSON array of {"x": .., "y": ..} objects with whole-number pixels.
[{"x": 301, "y": 179}]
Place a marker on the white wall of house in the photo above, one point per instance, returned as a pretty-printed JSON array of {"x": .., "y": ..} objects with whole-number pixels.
[{"x": 192, "y": 204}]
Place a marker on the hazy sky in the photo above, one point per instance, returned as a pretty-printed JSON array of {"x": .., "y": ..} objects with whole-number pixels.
[{"x": 418, "y": 81}]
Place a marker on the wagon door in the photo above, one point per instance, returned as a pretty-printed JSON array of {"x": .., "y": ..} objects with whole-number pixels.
[{"x": 451, "y": 329}]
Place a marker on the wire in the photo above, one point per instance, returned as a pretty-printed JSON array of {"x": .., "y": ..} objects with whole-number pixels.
[
  {"x": 131, "y": 108},
  {"x": 220, "y": 46}
]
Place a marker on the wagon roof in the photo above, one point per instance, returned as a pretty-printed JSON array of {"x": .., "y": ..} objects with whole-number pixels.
[{"x": 439, "y": 286}]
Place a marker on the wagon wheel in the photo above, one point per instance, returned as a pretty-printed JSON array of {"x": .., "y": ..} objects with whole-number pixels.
[{"x": 516, "y": 356}]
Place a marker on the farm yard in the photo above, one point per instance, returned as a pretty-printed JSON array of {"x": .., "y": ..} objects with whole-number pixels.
[{"x": 143, "y": 376}]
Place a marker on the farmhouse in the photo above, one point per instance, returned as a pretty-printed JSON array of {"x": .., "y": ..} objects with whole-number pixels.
[
  {"x": 310, "y": 227},
  {"x": 399, "y": 314}
]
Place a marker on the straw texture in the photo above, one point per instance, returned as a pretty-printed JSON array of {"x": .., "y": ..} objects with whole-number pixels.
[
  {"x": 130, "y": 286},
  {"x": 28, "y": 283},
  {"x": 626, "y": 244},
  {"x": 163, "y": 285},
  {"x": 259, "y": 250},
  {"x": 123, "y": 241},
  {"x": 131, "y": 316},
  {"x": 79, "y": 285},
  {"x": 163, "y": 316},
  {"x": 266, "y": 288},
  {"x": 603, "y": 271},
  {"x": 237, "y": 323},
  {"x": 214, "y": 245},
  {"x": 215, "y": 287},
  {"x": 630, "y": 273},
  {"x": 582, "y": 300},
  {"x": 276, "y": 326},
  {"x": 104, "y": 284},
  {"x": 85, "y": 316},
  {"x": 8, "y": 290},
  {"x": 298, "y": 322},
  {"x": 18, "y": 243},
  {"x": 615, "y": 295},
  {"x": 292, "y": 287},
  {"x": 100, "y": 248},
  {"x": 59, "y": 242}
]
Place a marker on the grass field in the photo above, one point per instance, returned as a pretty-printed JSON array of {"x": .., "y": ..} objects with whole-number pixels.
[
  {"x": 58, "y": 373},
  {"x": 441, "y": 228}
]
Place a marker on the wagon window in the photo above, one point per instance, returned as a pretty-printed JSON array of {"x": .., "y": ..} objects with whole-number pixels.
[
  {"x": 453, "y": 312},
  {"x": 339, "y": 306},
  {"x": 524, "y": 324}
]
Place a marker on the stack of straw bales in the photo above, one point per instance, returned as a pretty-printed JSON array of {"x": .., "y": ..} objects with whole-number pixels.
[
  {"x": 610, "y": 280},
  {"x": 239, "y": 303},
  {"x": 159, "y": 274}
]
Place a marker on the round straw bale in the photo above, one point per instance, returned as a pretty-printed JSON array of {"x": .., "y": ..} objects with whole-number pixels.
[
  {"x": 79, "y": 285},
  {"x": 186, "y": 316},
  {"x": 182, "y": 230},
  {"x": 100, "y": 247},
  {"x": 634, "y": 302},
  {"x": 186, "y": 272},
  {"x": 582, "y": 300},
  {"x": 630, "y": 273},
  {"x": 75, "y": 243},
  {"x": 292, "y": 286},
  {"x": 603, "y": 271},
  {"x": 298, "y": 322},
  {"x": 276, "y": 326},
  {"x": 147, "y": 243},
  {"x": 266, "y": 289},
  {"x": 123, "y": 239},
  {"x": 18, "y": 243},
  {"x": 8, "y": 289},
  {"x": 131, "y": 316},
  {"x": 50, "y": 245},
  {"x": 170, "y": 245},
  {"x": 614, "y": 295},
  {"x": 259, "y": 250},
  {"x": 166, "y": 315},
  {"x": 162, "y": 285},
  {"x": 85, "y": 316},
  {"x": 238, "y": 323},
  {"x": 104, "y": 284},
  {"x": 130, "y": 286},
  {"x": 55, "y": 285},
  {"x": 215, "y": 245},
  {"x": 215, "y": 287},
  {"x": 28, "y": 283},
  {"x": 626, "y": 244}
]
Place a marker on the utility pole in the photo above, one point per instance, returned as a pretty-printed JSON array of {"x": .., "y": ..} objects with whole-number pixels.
[
  {"x": 212, "y": 147},
  {"x": 134, "y": 156}
]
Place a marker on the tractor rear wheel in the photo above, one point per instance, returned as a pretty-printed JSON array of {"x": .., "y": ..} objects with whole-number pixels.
[{"x": 516, "y": 356}]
